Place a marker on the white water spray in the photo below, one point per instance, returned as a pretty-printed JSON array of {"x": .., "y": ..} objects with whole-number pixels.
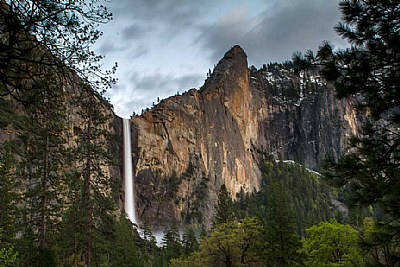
[{"x": 130, "y": 208}]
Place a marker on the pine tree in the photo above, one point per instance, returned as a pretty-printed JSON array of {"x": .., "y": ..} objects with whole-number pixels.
[
  {"x": 91, "y": 158},
  {"x": 41, "y": 169},
  {"x": 282, "y": 242},
  {"x": 224, "y": 210},
  {"x": 189, "y": 241},
  {"x": 172, "y": 245},
  {"x": 8, "y": 195},
  {"x": 123, "y": 249},
  {"x": 149, "y": 247},
  {"x": 369, "y": 71},
  {"x": 241, "y": 207}
]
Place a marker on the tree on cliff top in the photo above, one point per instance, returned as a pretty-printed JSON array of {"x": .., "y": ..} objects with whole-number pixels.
[
  {"x": 370, "y": 72},
  {"x": 38, "y": 37}
]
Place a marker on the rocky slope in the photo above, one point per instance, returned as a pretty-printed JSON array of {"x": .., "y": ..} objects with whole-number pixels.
[{"x": 187, "y": 146}]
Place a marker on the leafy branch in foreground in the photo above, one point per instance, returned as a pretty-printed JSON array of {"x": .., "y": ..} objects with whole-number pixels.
[{"x": 38, "y": 37}]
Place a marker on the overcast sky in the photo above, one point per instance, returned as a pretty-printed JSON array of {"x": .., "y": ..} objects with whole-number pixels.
[{"x": 165, "y": 46}]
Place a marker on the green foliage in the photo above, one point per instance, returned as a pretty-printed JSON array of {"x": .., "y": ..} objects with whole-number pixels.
[
  {"x": 332, "y": 244},
  {"x": 91, "y": 157},
  {"x": 189, "y": 241},
  {"x": 8, "y": 194},
  {"x": 245, "y": 205},
  {"x": 124, "y": 248},
  {"x": 40, "y": 170},
  {"x": 8, "y": 256},
  {"x": 307, "y": 194},
  {"x": 230, "y": 244},
  {"x": 280, "y": 232},
  {"x": 224, "y": 209},
  {"x": 172, "y": 184},
  {"x": 369, "y": 72},
  {"x": 172, "y": 245},
  {"x": 233, "y": 243},
  {"x": 58, "y": 200},
  {"x": 149, "y": 254},
  {"x": 378, "y": 241},
  {"x": 193, "y": 260}
]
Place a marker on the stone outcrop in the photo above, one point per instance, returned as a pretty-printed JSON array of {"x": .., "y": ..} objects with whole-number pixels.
[{"x": 187, "y": 146}]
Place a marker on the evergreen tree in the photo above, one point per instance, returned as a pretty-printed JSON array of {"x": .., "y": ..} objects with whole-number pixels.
[
  {"x": 124, "y": 246},
  {"x": 369, "y": 71},
  {"x": 375, "y": 241},
  {"x": 172, "y": 245},
  {"x": 307, "y": 194},
  {"x": 189, "y": 241},
  {"x": 91, "y": 197},
  {"x": 8, "y": 195},
  {"x": 240, "y": 206},
  {"x": 41, "y": 170},
  {"x": 282, "y": 242},
  {"x": 148, "y": 251},
  {"x": 224, "y": 210}
]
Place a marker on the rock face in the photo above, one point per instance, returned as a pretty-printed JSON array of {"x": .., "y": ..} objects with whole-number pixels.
[{"x": 187, "y": 146}]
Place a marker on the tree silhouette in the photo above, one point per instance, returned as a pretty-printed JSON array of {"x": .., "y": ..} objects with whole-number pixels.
[{"x": 41, "y": 37}]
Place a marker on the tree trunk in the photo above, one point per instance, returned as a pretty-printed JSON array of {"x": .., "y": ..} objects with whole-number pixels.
[
  {"x": 42, "y": 229},
  {"x": 86, "y": 198}
]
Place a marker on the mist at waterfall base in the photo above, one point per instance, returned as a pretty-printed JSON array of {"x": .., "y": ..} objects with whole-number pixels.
[{"x": 130, "y": 206}]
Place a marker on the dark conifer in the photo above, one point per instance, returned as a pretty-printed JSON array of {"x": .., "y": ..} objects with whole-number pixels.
[
  {"x": 369, "y": 72},
  {"x": 224, "y": 210},
  {"x": 282, "y": 242}
]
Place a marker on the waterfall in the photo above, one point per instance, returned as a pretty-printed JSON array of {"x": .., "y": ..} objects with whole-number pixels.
[{"x": 130, "y": 208}]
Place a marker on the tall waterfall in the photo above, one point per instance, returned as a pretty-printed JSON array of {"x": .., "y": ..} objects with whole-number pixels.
[{"x": 130, "y": 208}]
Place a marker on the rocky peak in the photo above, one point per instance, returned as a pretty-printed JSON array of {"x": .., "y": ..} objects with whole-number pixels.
[
  {"x": 235, "y": 54},
  {"x": 232, "y": 66},
  {"x": 189, "y": 145}
]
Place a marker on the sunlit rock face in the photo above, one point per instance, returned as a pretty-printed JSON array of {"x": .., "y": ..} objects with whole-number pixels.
[{"x": 187, "y": 146}]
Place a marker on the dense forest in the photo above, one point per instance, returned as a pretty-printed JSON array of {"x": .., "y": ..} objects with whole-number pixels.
[{"x": 58, "y": 204}]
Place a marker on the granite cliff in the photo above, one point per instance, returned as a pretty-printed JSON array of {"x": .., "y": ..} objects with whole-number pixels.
[{"x": 187, "y": 146}]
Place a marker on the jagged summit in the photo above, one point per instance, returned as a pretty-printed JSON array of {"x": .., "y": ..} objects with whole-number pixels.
[
  {"x": 235, "y": 51},
  {"x": 230, "y": 68},
  {"x": 235, "y": 57}
]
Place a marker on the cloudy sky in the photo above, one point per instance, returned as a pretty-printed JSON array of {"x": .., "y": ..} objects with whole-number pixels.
[{"x": 166, "y": 46}]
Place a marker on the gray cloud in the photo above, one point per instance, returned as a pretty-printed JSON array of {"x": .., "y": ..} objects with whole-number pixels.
[
  {"x": 134, "y": 31},
  {"x": 286, "y": 27},
  {"x": 137, "y": 52},
  {"x": 160, "y": 82},
  {"x": 174, "y": 15},
  {"x": 142, "y": 90},
  {"x": 107, "y": 47}
]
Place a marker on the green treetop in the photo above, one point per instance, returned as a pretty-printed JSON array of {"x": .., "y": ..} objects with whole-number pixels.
[{"x": 332, "y": 244}]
